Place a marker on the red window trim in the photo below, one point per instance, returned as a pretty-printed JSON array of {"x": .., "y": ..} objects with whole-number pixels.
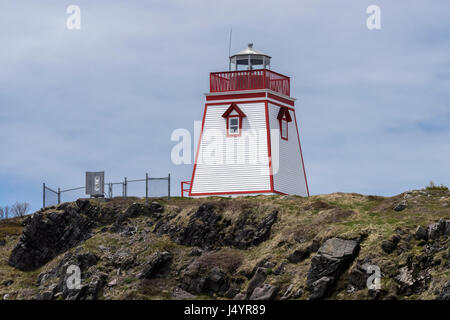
[{"x": 240, "y": 115}]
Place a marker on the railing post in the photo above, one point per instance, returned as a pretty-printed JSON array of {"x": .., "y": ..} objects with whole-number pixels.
[
  {"x": 146, "y": 186},
  {"x": 43, "y": 195},
  {"x": 168, "y": 187},
  {"x": 59, "y": 196}
]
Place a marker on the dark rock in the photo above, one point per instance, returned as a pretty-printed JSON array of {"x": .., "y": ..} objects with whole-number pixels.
[
  {"x": 264, "y": 292},
  {"x": 83, "y": 204},
  {"x": 213, "y": 281},
  {"x": 196, "y": 252},
  {"x": 264, "y": 263},
  {"x": 153, "y": 209},
  {"x": 414, "y": 277},
  {"x": 239, "y": 296},
  {"x": 47, "y": 235},
  {"x": 400, "y": 206},
  {"x": 7, "y": 283},
  {"x": 280, "y": 269},
  {"x": 91, "y": 291},
  {"x": 2, "y": 242},
  {"x": 287, "y": 293},
  {"x": 321, "y": 288},
  {"x": 231, "y": 293},
  {"x": 298, "y": 255},
  {"x": 388, "y": 246},
  {"x": 298, "y": 294},
  {"x": 247, "y": 232},
  {"x": 180, "y": 294},
  {"x": 123, "y": 259},
  {"x": 84, "y": 261},
  {"x": 303, "y": 253},
  {"x": 438, "y": 229},
  {"x": 157, "y": 262},
  {"x": 375, "y": 294},
  {"x": 207, "y": 229},
  {"x": 445, "y": 294},
  {"x": 333, "y": 258},
  {"x": 258, "y": 279},
  {"x": 359, "y": 275},
  {"x": 421, "y": 233},
  {"x": 46, "y": 295}
]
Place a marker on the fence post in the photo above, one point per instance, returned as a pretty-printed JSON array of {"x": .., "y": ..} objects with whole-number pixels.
[
  {"x": 110, "y": 190},
  {"x": 43, "y": 195},
  {"x": 146, "y": 187},
  {"x": 125, "y": 188},
  {"x": 168, "y": 187},
  {"x": 59, "y": 196}
]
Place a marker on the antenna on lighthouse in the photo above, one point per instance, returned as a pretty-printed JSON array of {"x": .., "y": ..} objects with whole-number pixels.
[{"x": 229, "y": 49}]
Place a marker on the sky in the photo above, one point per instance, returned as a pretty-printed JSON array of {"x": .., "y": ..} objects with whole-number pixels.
[{"x": 373, "y": 106}]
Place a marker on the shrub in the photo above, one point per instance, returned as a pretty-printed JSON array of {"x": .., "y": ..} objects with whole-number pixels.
[{"x": 433, "y": 186}]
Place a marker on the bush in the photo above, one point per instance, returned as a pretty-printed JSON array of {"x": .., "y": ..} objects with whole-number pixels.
[{"x": 433, "y": 186}]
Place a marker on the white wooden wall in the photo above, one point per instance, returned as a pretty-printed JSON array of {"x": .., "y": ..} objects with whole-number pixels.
[
  {"x": 290, "y": 177},
  {"x": 243, "y": 168}
]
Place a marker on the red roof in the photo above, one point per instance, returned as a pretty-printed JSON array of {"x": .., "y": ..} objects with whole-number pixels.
[
  {"x": 232, "y": 107},
  {"x": 284, "y": 111}
]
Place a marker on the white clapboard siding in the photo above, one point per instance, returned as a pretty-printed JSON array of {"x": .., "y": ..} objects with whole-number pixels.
[
  {"x": 243, "y": 167},
  {"x": 289, "y": 178}
]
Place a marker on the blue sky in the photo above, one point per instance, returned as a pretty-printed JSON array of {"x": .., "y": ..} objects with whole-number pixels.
[{"x": 373, "y": 106}]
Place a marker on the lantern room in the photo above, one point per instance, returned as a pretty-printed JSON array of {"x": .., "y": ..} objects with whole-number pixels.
[{"x": 249, "y": 59}]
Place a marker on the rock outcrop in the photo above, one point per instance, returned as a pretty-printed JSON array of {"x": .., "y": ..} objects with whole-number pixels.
[
  {"x": 332, "y": 259},
  {"x": 208, "y": 229},
  {"x": 47, "y": 235}
]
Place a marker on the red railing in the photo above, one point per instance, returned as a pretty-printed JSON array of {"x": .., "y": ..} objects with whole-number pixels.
[
  {"x": 185, "y": 189},
  {"x": 249, "y": 79}
]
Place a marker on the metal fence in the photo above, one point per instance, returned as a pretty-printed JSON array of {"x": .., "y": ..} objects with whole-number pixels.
[{"x": 148, "y": 187}]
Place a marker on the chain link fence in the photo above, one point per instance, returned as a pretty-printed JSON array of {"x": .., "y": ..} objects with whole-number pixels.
[{"x": 148, "y": 187}]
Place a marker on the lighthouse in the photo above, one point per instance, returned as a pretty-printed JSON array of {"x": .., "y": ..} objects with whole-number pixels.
[{"x": 249, "y": 142}]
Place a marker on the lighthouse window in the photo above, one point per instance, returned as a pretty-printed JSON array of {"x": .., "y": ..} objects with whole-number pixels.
[
  {"x": 284, "y": 128},
  {"x": 233, "y": 125}
]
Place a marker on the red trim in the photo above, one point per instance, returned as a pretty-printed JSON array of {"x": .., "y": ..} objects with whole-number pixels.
[
  {"x": 249, "y": 80},
  {"x": 269, "y": 146},
  {"x": 239, "y": 115},
  {"x": 231, "y": 192},
  {"x": 279, "y": 192},
  {"x": 301, "y": 155},
  {"x": 198, "y": 149},
  {"x": 236, "y": 96},
  {"x": 284, "y": 114},
  {"x": 237, "y": 102},
  {"x": 282, "y": 106},
  {"x": 233, "y": 107},
  {"x": 281, "y": 99}
]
